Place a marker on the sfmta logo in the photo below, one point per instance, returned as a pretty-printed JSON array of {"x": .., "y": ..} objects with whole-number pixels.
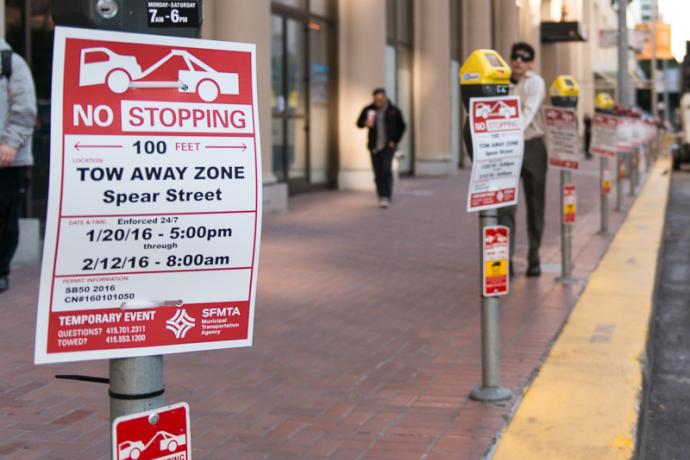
[{"x": 180, "y": 324}]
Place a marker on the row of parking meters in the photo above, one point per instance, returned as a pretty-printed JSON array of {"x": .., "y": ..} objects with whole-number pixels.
[{"x": 486, "y": 74}]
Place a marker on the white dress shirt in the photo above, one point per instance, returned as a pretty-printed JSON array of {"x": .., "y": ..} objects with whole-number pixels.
[{"x": 532, "y": 91}]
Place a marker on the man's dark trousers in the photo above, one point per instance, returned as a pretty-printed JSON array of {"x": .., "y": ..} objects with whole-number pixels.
[
  {"x": 13, "y": 182},
  {"x": 533, "y": 174},
  {"x": 382, "y": 161}
]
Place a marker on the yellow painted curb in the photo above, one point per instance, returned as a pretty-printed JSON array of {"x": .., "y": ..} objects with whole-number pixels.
[{"x": 584, "y": 402}]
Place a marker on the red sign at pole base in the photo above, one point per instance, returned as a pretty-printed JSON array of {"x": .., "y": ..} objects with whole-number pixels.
[
  {"x": 158, "y": 434},
  {"x": 495, "y": 256},
  {"x": 569, "y": 204}
]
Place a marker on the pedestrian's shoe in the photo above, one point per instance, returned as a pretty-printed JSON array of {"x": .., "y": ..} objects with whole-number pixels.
[
  {"x": 533, "y": 270},
  {"x": 4, "y": 283},
  {"x": 384, "y": 203}
]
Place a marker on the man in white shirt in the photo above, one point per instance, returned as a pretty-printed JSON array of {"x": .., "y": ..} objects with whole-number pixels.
[{"x": 531, "y": 89}]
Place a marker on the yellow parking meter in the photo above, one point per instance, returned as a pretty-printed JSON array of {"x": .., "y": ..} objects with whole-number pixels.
[
  {"x": 484, "y": 74},
  {"x": 603, "y": 102},
  {"x": 564, "y": 91}
]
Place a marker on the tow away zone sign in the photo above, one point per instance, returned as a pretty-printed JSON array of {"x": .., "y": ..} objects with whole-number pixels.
[
  {"x": 154, "y": 211},
  {"x": 497, "y": 142}
]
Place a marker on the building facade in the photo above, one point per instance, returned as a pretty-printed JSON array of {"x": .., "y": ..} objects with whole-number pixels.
[{"x": 318, "y": 61}]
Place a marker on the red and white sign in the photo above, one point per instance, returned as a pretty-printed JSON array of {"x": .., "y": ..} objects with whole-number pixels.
[
  {"x": 606, "y": 181},
  {"x": 604, "y": 135},
  {"x": 495, "y": 256},
  {"x": 562, "y": 140},
  {"x": 625, "y": 134},
  {"x": 154, "y": 216},
  {"x": 569, "y": 203},
  {"x": 158, "y": 434},
  {"x": 498, "y": 143}
]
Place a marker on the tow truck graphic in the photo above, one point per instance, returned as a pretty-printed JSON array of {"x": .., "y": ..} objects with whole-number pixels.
[
  {"x": 120, "y": 72},
  {"x": 133, "y": 449},
  {"x": 499, "y": 108}
]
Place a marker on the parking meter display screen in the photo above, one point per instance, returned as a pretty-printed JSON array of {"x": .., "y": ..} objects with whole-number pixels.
[
  {"x": 154, "y": 213},
  {"x": 493, "y": 60}
]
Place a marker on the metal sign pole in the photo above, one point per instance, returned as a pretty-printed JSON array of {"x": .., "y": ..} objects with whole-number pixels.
[
  {"x": 604, "y": 198},
  {"x": 136, "y": 385},
  {"x": 619, "y": 182},
  {"x": 631, "y": 173},
  {"x": 566, "y": 234},
  {"x": 491, "y": 389}
]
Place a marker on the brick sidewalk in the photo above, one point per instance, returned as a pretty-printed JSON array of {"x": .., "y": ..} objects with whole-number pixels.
[{"x": 367, "y": 339}]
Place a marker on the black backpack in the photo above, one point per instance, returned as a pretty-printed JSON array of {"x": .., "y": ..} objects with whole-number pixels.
[{"x": 6, "y": 64}]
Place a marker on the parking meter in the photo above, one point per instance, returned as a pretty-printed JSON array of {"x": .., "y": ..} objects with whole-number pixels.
[
  {"x": 182, "y": 19},
  {"x": 484, "y": 74},
  {"x": 604, "y": 103},
  {"x": 564, "y": 92}
]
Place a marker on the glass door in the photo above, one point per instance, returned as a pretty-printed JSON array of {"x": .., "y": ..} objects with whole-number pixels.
[
  {"x": 320, "y": 167},
  {"x": 289, "y": 100}
]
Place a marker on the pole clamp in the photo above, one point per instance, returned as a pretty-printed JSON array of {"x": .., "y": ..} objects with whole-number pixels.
[{"x": 135, "y": 397}]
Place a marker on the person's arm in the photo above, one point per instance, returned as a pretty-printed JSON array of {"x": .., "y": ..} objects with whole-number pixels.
[
  {"x": 399, "y": 128},
  {"x": 362, "y": 120},
  {"x": 535, "y": 91},
  {"x": 22, "y": 111}
]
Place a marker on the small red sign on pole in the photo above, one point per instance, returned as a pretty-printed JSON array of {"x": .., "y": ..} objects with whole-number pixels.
[
  {"x": 606, "y": 182},
  {"x": 569, "y": 204},
  {"x": 158, "y": 434},
  {"x": 495, "y": 255}
]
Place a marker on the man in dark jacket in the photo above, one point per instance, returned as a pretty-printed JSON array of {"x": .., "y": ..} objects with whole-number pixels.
[{"x": 386, "y": 128}]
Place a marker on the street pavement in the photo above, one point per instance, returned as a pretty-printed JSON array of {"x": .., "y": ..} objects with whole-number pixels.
[
  {"x": 367, "y": 338},
  {"x": 665, "y": 418}
]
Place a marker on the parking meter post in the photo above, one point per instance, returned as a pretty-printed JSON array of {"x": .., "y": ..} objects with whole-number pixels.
[
  {"x": 619, "y": 182},
  {"x": 136, "y": 385},
  {"x": 564, "y": 92},
  {"x": 631, "y": 173},
  {"x": 485, "y": 74},
  {"x": 604, "y": 198},
  {"x": 566, "y": 235},
  {"x": 490, "y": 390}
]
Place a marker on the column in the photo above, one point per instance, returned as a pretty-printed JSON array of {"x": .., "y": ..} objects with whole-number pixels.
[
  {"x": 432, "y": 92},
  {"x": 506, "y": 31},
  {"x": 477, "y": 25},
  {"x": 361, "y": 59},
  {"x": 250, "y": 22},
  {"x": 553, "y": 55},
  {"x": 529, "y": 27},
  {"x": 2, "y": 19}
]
